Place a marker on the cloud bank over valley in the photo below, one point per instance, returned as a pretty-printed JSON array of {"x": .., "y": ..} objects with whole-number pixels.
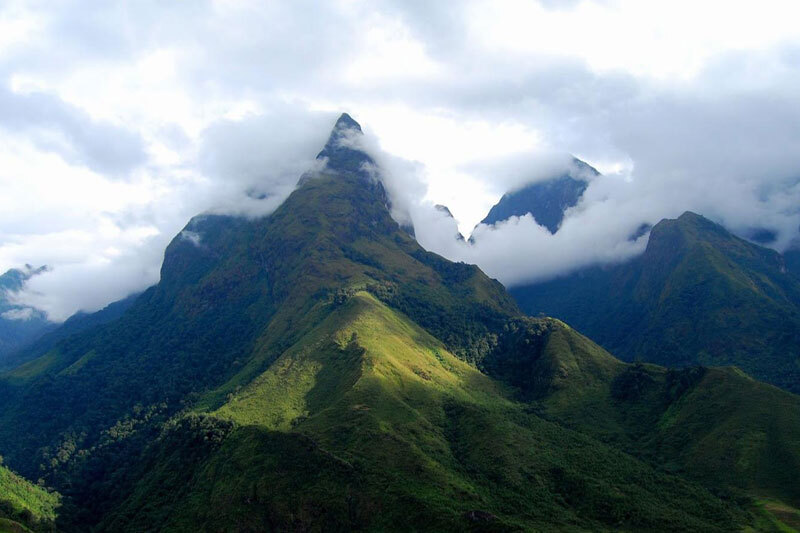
[{"x": 141, "y": 120}]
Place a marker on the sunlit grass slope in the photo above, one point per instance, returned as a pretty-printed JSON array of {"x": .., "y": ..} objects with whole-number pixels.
[
  {"x": 25, "y": 506},
  {"x": 316, "y": 369},
  {"x": 714, "y": 425},
  {"x": 369, "y": 422}
]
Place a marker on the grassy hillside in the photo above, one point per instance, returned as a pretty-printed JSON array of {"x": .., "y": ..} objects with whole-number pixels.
[
  {"x": 698, "y": 295},
  {"x": 225, "y": 309},
  {"x": 717, "y": 425},
  {"x": 25, "y": 506},
  {"x": 369, "y": 422},
  {"x": 317, "y": 369}
]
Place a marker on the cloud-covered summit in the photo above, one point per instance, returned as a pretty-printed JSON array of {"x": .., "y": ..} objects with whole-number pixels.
[
  {"x": 122, "y": 124},
  {"x": 547, "y": 200},
  {"x": 344, "y": 149}
]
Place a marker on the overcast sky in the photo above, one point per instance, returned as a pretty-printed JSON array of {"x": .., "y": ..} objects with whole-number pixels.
[{"x": 119, "y": 121}]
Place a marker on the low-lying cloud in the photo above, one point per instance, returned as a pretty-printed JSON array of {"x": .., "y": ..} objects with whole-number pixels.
[
  {"x": 110, "y": 140},
  {"x": 262, "y": 155},
  {"x": 56, "y": 126},
  {"x": 245, "y": 167},
  {"x": 22, "y": 314}
]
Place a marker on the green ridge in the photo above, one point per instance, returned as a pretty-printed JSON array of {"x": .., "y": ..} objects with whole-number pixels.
[
  {"x": 316, "y": 369},
  {"x": 25, "y": 506},
  {"x": 369, "y": 422},
  {"x": 698, "y": 295},
  {"x": 717, "y": 426}
]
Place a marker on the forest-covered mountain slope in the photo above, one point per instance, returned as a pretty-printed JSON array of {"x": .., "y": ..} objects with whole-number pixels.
[
  {"x": 316, "y": 369},
  {"x": 25, "y": 506},
  {"x": 19, "y": 325},
  {"x": 715, "y": 425},
  {"x": 78, "y": 322},
  {"x": 697, "y": 295},
  {"x": 545, "y": 200}
]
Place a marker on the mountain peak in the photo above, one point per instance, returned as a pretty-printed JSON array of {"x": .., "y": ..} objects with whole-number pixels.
[
  {"x": 345, "y": 121},
  {"x": 344, "y": 132},
  {"x": 14, "y": 279},
  {"x": 690, "y": 226},
  {"x": 546, "y": 200},
  {"x": 673, "y": 234},
  {"x": 444, "y": 209},
  {"x": 689, "y": 216},
  {"x": 342, "y": 150}
]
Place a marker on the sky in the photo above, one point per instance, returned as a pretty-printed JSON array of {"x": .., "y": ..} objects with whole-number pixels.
[{"x": 119, "y": 121}]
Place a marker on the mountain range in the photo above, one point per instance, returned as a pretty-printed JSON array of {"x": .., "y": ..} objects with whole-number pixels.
[
  {"x": 697, "y": 295},
  {"x": 546, "y": 200},
  {"x": 19, "y": 324},
  {"x": 317, "y": 369}
]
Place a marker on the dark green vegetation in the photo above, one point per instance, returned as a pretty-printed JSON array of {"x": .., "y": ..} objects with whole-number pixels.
[
  {"x": 792, "y": 258},
  {"x": 318, "y": 370},
  {"x": 698, "y": 295},
  {"x": 18, "y": 325},
  {"x": 78, "y": 322},
  {"x": 24, "y": 506},
  {"x": 369, "y": 422},
  {"x": 545, "y": 200},
  {"x": 713, "y": 425}
]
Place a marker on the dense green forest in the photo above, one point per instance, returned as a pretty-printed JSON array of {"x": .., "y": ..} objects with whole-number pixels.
[
  {"x": 25, "y": 506},
  {"x": 316, "y": 369},
  {"x": 19, "y": 325},
  {"x": 698, "y": 295}
]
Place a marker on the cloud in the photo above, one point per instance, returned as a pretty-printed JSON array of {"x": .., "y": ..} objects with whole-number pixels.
[
  {"x": 22, "y": 314},
  {"x": 191, "y": 236},
  {"x": 403, "y": 179},
  {"x": 56, "y": 126},
  {"x": 89, "y": 270},
  {"x": 91, "y": 285},
  {"x": 514, "y": 171},
  {"x": 242, "y": 167},
  {"x": 679, "y": 108},
  {"x": 261, "y": 155},
  {"x": 734, "y": 158},
  {"x": 518, "y": 250}
]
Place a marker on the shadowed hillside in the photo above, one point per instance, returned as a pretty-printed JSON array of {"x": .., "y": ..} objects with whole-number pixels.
[
  {"x": 714, "y": 425},
  {"x": 316, "y": 369},
  {"x": 545, "y": 200},
  {"x": 698, "y": 295},
  {"x": 19, "y": 325}
]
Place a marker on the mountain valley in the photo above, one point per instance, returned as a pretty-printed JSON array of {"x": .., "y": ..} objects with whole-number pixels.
[{"x": 317, "y": 369}]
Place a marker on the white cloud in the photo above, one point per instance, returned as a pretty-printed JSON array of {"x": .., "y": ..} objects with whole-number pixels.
[
  {"x": 23, "y": 313},
  {"x": 659, "y": 39},
  {"x": 191, "y": 236},
  {"x": 55, "y": 126},
  {"x": 389, "y": 53},
  {"x": 121, "y": 121},
  {"x": 104, "y": 239}
]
